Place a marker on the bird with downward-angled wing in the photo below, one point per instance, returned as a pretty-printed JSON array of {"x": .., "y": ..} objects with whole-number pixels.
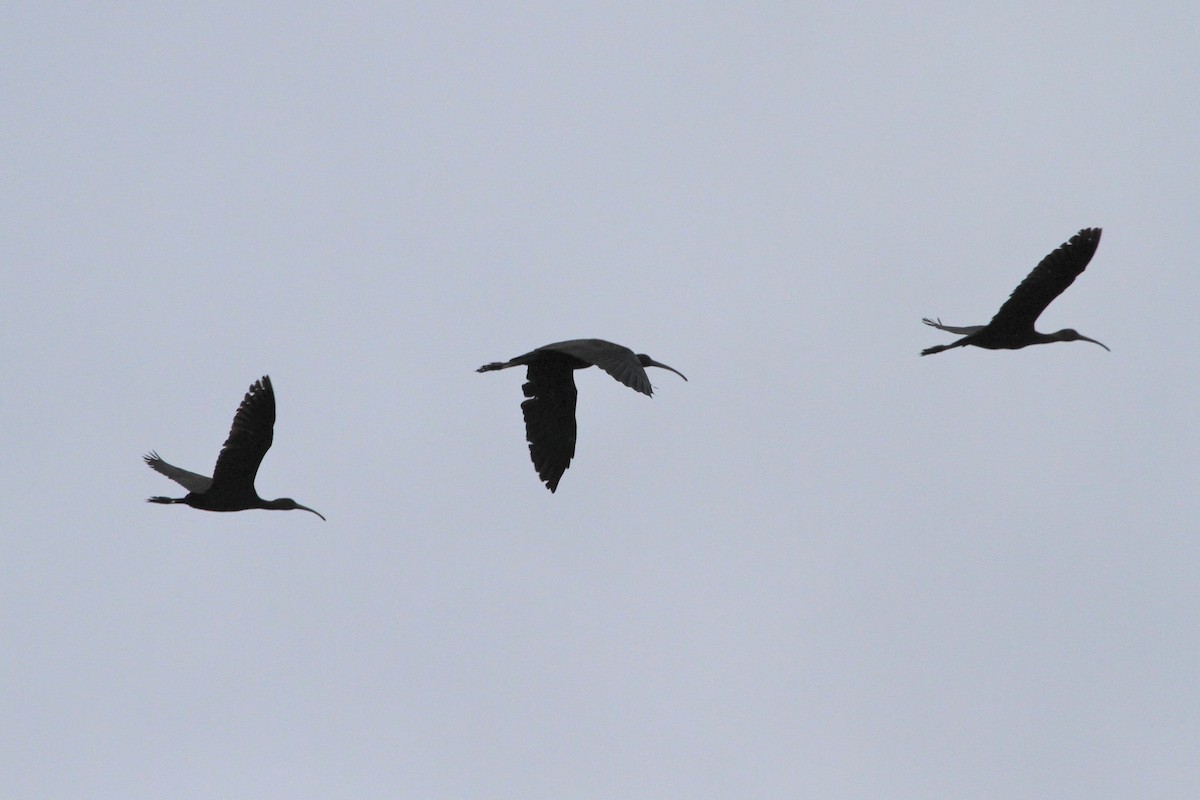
[{"x": 550, "y": 388}]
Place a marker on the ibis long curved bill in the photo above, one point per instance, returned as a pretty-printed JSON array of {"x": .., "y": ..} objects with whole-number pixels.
[
  {"x": 297, "y": 507},
  {"x": 647, "y": 361},
  {"x": 1083, "y": 338}
]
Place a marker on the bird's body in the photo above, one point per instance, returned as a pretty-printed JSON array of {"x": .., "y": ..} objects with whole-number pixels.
[
  {"x": 231, "y": 488},
  {"x": 1012, "y": 327},
  {"x": 550, "y": 388}
]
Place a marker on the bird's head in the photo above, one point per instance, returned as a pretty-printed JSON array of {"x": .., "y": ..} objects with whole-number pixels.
[
  {"x": 647, "y": 361},
  {"x": 1072, "y": 335},
  {"x": 288, "y": 504}
]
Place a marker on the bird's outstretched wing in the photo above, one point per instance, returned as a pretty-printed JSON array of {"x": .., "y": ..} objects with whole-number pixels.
[
  {"x": 1047, "y": 281},
  {"x": 189, "y": 480},
  {"x": 249, "y": 439},
  {"x": 550, "y": 418},
  {"x": 617, "y": 360}
]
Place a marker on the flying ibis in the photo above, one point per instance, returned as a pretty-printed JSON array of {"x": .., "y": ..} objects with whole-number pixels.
[
  {"x": 1012, "y": 327},
  {"x": 231, "y": 488},
  {"x": 550, "y": 389}
]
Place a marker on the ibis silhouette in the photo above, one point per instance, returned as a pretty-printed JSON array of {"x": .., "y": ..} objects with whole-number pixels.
[
  {"x": 231, "y": 488},
  {"x": 1012, "y": 327},
  {"x": 550, "y": 386}
]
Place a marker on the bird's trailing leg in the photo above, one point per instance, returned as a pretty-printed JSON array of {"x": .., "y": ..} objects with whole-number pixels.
[
  {"x": 966, "y": 331},
  {"x": 961, "y": 330},
  {"x": 495, "y": 365},
  {"x": 928, "y": 351}
]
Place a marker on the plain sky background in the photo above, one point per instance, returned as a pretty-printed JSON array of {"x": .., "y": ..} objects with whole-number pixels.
[{"x": 823, "y": 568}]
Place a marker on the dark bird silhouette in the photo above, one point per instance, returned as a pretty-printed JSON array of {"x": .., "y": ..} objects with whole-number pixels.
[
  {"x": 231, "y": 488},
  {"x": 1012, "y": 327},
  {"x": 550, "y": 387}
]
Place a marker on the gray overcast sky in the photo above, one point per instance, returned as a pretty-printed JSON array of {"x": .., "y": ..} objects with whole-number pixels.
[{"x": 825, "y": 567}]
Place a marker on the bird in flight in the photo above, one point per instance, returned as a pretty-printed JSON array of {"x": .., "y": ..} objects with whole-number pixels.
[
  {"x": 1012, "y": 327},
  {"x": 231, "y": 488},
  {"x": 550, "y": 388}
]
